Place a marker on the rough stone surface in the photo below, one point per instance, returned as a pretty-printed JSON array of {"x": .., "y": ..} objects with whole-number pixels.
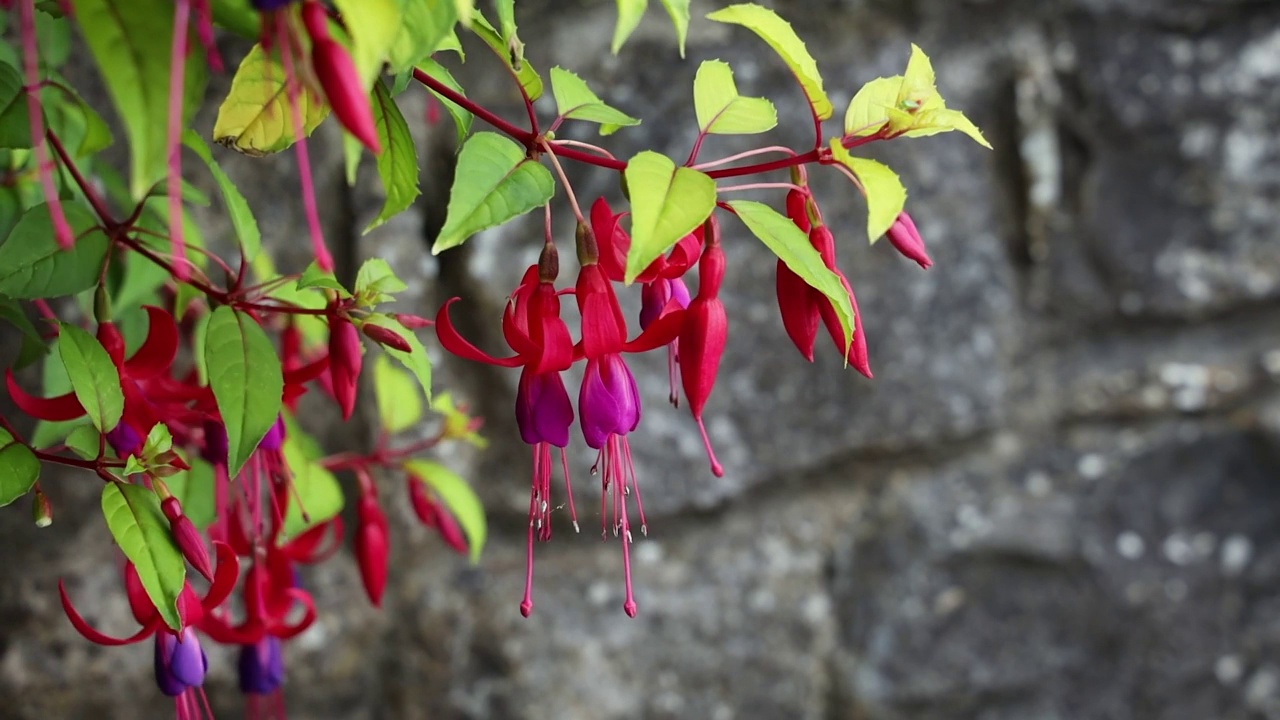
[{"x": 1056, "y": 501}]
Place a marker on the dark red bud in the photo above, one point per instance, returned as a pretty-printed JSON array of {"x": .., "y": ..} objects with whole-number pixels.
[
  {"x": 386, "y": 337},
  {"x": 798, "y": 304},
  {"x": 345, "y": 361},
  {"x": 371, "y": 549},
  {"x": 187, "y": 537},
  {"x": 111, "y": 339},
  {"x": 796, "y": 209}
]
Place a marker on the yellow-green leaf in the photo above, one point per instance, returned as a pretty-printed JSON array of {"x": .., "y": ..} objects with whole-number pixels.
[
  {"x": 792, "y": 247},
  {"x": 316, "y": 496},
  {"x": 932, "y": 122},
  {"x": 461, "y": 117},
  {"x": 398, "y": 161},
  {"x": 778, "y": 34},
  {"x": 398, "y": 396},
  {"x": 629, "y": 14},
  {"x": 255, "y": 117},
  {"x": 576, "y": 101},
  {"x": 667, "y": 203},
  {"x": 242, "y": 220},
  {"x": 869, "y": 109},
  {"x": 427, "y": 27},
  {"x": 721, "y": 110},
  {"x": 373, "y": 26},
  {"x": 884, "y": 191},
  {"x": 416, "y": 360},
  {"x": 493, "y": 183},
  {"x": 529, "y": 79},
  {"x": 679, "y": 12}
]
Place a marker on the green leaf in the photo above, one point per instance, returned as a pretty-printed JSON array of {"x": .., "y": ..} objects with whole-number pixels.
[
  {"x": 398, "y": 161},
  {"x": 54, "y": 382},
  {"x": 427, "y": 27},
  {"x": 398, "y": 396},
  {"x": 129, "y": 40},
  {"x": 84, "y": 441},
  {"x": 33, "y": 266},
  {"x": 376, "y": 282},
  {"x": 159, "y": 440},
  {"x": 314, "y": 277},
  {"x": 415, "y": 361},
  {"x": 679, "y": 12},
  {"x": 242, "y": 219},
  {"x": 237, "y": 16},
  {"x": 15, "y": 130},
  {"x": 194, "y": 489},
  {"x": 94, "y": 377},
  {"x": 246, "y": 379},
  {"x": 54, "y": 35},
  {"x": 373, "y": 26},
  {"x": 493, "y": 183},
  {"x": 314, "y": 487},
  {"x": 506, "y": 18},
  {"x": 721, "y": 110},
  {"x": 791, "y": 245},
  {"x": 529, "y": 80},
  {"x": 19, "y": 468},
  {"x": 885, "y": 194},
  {"x": 576, "y": 101},
  {"x": 134, "y": 518},
  {"x": 778, "y": 34},
  {"x": 629, "y": 14},
  {"x": 255, "y": 117},
  {"x": 667, "y": 203},
  {"x": 869, "y": 109},
  {"x": 33, "y": 346},
  {"x": 456, "y": 495},
  {"x": 461, "y": 117}
]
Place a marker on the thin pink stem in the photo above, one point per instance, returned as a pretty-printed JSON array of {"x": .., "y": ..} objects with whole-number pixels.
[
  {"x": 759, "y": 186},
  {"x": 584, "y": 145},
  {"x": 177, "y": 73},
  {"x": 743, "y": 156},
  {"x": 323, "y": 259},
  {"x": 35, "y": 118},
  {"x": 564, "y": 180}
]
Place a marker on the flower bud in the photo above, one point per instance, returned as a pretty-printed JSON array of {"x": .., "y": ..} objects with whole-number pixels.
[
  {"x": 41, "y": 510},
  {"x": 185, "y": 534},
  {"x": 434, "y": 515},
  {"x": 371, "y": 548},
  {"x": 413, "y": 322},
  {"x": 906, "y": 238},
  {"x": 343, "y": 89},
  {"x": 344, "y": 363},
  {"x": 385, "y": 337}
]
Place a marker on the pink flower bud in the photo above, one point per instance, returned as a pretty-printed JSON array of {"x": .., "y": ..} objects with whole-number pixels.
[
  {"x": 385, "y": 337},
  {"x": 906, "y": 238},
  {"x": 345, "y": 361},
  {"x": 413, "y": 322},
  {"x": 433, "y": 514},
  {"x": 187, "y": 537},
  {"x": 371, "y": 549},
  {"x": 342, "y": 88}
]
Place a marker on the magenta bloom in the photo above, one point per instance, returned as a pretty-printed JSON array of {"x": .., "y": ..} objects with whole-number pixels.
[
  {"x": 180, "y": 662},
  {"x": 609, "y": 403}
]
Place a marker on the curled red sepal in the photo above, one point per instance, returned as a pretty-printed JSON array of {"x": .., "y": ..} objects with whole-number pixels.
[
  {"x": 305, "y": 548},
  {"x": 303, "y": 598},
  {"x": 224, "y": 578},
  {"x": 661, "y": 331},
  {"x": 62, "y": 407},
  {"x": 95, "y": 636},
  {"x": 158, "y": 350},
  {"x": 460, "y": 346}
]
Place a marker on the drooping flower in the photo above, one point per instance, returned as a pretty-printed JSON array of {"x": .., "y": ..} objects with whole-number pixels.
[
  {"x": 704, "y": 334},
  {"x": 345, "y": 360}
]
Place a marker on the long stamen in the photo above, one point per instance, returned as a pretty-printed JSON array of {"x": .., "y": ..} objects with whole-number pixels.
[
  {"x": 630, "y": 469},
  {"x": 177, "y": 74},
  {"x": 568, "y": 490},
  {"x": 526, "y": 604},
  {"x": 323, "y": 259}
]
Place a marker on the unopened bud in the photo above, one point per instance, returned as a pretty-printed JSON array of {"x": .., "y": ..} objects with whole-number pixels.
[
  {"x": 588, "y": 250},
  {"x": 102, "y": 304},
  {"x": 185, "y": 535},
  {"x": 413, "y": 322},
  {"x": 549, "y": 263},
  {"x": 41, "y": 510},
  {"x": 385, "y": 337}
]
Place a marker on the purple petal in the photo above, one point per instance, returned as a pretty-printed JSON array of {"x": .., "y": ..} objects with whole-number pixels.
[
  {"x": 124, "y": 439},
  {"x": 543, "y": 410},
  {"x": 261, "y": 667},
  {"x": 609, "y": 403}
]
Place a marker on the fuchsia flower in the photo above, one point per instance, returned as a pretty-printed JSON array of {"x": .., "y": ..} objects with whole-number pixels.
[
  {"x": 704, "y": 334},
  {"x": 345, "y": 360},
  {"x": 372, "y": 548},
  {"x": 906, "y": 238},
  {"x": 336, "y": 73}
]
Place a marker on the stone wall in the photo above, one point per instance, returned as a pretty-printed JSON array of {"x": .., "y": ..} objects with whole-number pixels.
[{"x": 1058, "y": 500}]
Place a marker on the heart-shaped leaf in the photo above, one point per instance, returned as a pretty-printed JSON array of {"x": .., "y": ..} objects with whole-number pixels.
[
  {"x": 667, "y": 203},
  {"x": 778, "y": 34},
  {"x": 886, "y": 197},
  {"x": 721, "y": 110}
]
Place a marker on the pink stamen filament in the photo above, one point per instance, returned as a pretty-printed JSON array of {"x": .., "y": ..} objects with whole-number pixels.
[
  {"x": 716, "y": 468},
  {"x": 35, "y": 119},
  {"x": 177, "y": 73},
  {"x": 323, "y": 259}
]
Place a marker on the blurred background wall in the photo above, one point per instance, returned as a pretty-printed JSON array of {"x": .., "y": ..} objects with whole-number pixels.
[{"x": 1059, "y": 499}]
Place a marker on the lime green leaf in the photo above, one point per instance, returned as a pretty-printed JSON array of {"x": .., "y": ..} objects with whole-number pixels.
[
  {"x": 458, "y": 424},
  {"x": 97, "y": 135},
  {"x": 373, "y": 26},
  {"x": 530, "y": 82},
  {"x": 575, "y": 101},
  {"x": 461, "y": 117},
  {"x": 314, "y": 277},
  {"x": 667, "y": 203},
  {"x": 398, "y": 396},
  {"x": 791, "y": 245},
  {"x": 679, "y": 12},
  {"x": 94, "y": 377},
  {"x": 869, "y": 109},
  {"x": 84, "y": 440},
  {"x": 415, "y": 361},
  {"x": 919, "y": 85},
  {"x": 427, "y": 27},
  {"x": 629, "y": 14},
  {"x": 129, "y": 41},
  {"x": 255, "y": 117},
  {"x": 159, "y": 440},
  {"x": 939, "y": 120},
  {"x": 245, "y": 376},
  {"x": 242, "y": 220},
  {"x": 19, "y": 468},
  {"x": 398, "y": 162},
  {"x": 33, "y": 346},
  {"x": 194, "y": 489},
  {"x": 884, "y": 191},
  {"x": 721, "y": 110},
  {"x": 493, "y": 183},
  {"x": 33, "y": 266},
  {"x": 316, "y": 497},
  {"x": 237, "y": 16},
  {"x": 134, "y": 518},
  {"x": 506, "y": 18},
  {"x": 456, "y": 495},
  {"x": 376, "y": 282},
  {"x": 778, "y": 34}
]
